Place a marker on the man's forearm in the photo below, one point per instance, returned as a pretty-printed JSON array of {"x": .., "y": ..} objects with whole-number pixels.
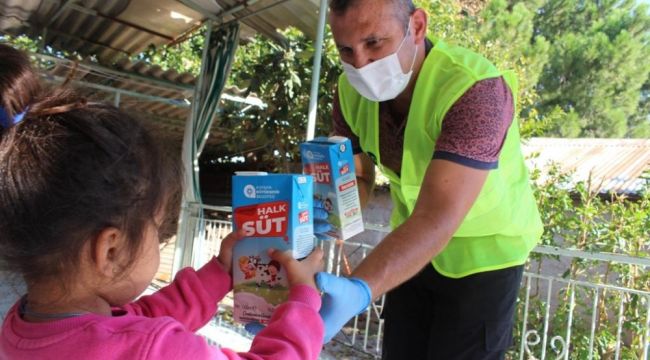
[
  {"x": 403, "y": 253},
  {"x": 448, "y": 192}
]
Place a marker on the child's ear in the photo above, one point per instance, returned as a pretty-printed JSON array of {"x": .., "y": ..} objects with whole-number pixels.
[{"x": 106, "y": 254}]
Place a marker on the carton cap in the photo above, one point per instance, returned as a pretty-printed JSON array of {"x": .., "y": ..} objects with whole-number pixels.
[
  {"x": 251, "y": 173},
  {"x": 328, "y": 140},
  {"x": 337, "y": 139}
]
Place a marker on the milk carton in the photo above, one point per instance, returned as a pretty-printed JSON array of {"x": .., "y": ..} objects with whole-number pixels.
[
  {"x": 275, "y": 211},
  {"x": 331, "y": 162}
]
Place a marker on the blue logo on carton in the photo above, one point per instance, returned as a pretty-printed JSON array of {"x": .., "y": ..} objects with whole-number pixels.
[{"x": 249, "y": 191}]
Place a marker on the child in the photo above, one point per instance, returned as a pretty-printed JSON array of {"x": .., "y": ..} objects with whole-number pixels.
[{"x": 87, "y": 196}]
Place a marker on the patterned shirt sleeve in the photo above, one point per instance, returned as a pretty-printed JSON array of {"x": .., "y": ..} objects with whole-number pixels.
[
  {"x": 341, "y": 128},
  {"x": 474, "y": 129}
]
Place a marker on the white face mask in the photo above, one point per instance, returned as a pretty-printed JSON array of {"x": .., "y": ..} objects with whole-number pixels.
[{"x": 382, "y": 79}]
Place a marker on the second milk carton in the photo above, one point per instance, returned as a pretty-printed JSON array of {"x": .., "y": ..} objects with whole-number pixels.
[
  {"x": 275, "y": 211},
  {"x": 331, "y": 162}
]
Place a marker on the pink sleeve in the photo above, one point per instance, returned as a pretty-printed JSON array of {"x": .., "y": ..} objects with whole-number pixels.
[
  {"x": 191, "y": 298},
  {"x": 295, "y": 332}
]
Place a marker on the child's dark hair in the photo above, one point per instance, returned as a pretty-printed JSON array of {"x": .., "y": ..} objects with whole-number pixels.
[{"x": 69, "y": 170}]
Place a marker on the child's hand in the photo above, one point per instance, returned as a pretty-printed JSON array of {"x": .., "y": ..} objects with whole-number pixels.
[
  {"x": 300, "y": 272},
  {"x": 225, "y": 252}
]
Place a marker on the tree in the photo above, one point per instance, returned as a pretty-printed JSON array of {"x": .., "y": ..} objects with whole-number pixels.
[
  {"x": 507, "y": 37},
  {"x": 581, "y": 64},
  {"x": 597, "y": 66},
  {"x": 184, "y": 56},
  {"x": 503, "y": 33},
  {"x": 639, "y": 126},
  {"x": 279, "y": 74}
]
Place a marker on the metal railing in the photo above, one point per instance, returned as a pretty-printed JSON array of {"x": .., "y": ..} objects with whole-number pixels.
[{"x": 558, "y": 316}]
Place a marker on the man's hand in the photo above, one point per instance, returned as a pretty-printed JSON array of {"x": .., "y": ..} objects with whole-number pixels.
[
  {"x": 254, "y": 328},
  {"x": 343, "y": 298},
  {"x": 321, "y": 223}
]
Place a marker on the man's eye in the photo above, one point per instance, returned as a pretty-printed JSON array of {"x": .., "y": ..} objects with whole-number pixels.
[{"x": 372, "y": 43}]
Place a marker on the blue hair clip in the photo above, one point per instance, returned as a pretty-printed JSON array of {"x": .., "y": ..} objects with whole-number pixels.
[{"x": 7, "y": 122}]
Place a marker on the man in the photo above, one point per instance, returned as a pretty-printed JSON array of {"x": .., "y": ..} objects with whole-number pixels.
[{"x": 440, "y": 123}]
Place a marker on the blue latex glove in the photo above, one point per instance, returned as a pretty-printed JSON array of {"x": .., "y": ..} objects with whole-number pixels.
[
  {"x": 254, "y": 327},
  {"x": 343, "y": 298},
  {"x": 321, "y": 224}
]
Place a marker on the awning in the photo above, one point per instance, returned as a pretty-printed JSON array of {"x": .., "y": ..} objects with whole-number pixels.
[{"x": 112, "y": 30}]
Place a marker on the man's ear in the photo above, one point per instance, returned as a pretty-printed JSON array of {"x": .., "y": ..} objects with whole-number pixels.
[
  {"x": 106, "y": 252},
  {"x": 419, "y": 25}
]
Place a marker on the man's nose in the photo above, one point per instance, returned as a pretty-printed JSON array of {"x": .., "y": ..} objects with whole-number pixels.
[{"x": 360, "y": 60}]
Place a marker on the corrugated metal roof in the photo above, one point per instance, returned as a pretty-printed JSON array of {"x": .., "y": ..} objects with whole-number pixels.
[
  {"x": 263, "y": 16},
  {"x": 111, "y": 30},
  {"x": 162, "y": 97},
  {"x": 615, "y": 165}
]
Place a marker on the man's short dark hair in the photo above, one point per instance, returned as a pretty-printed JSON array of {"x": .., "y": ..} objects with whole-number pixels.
[{"x": 404, "y": 8}]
